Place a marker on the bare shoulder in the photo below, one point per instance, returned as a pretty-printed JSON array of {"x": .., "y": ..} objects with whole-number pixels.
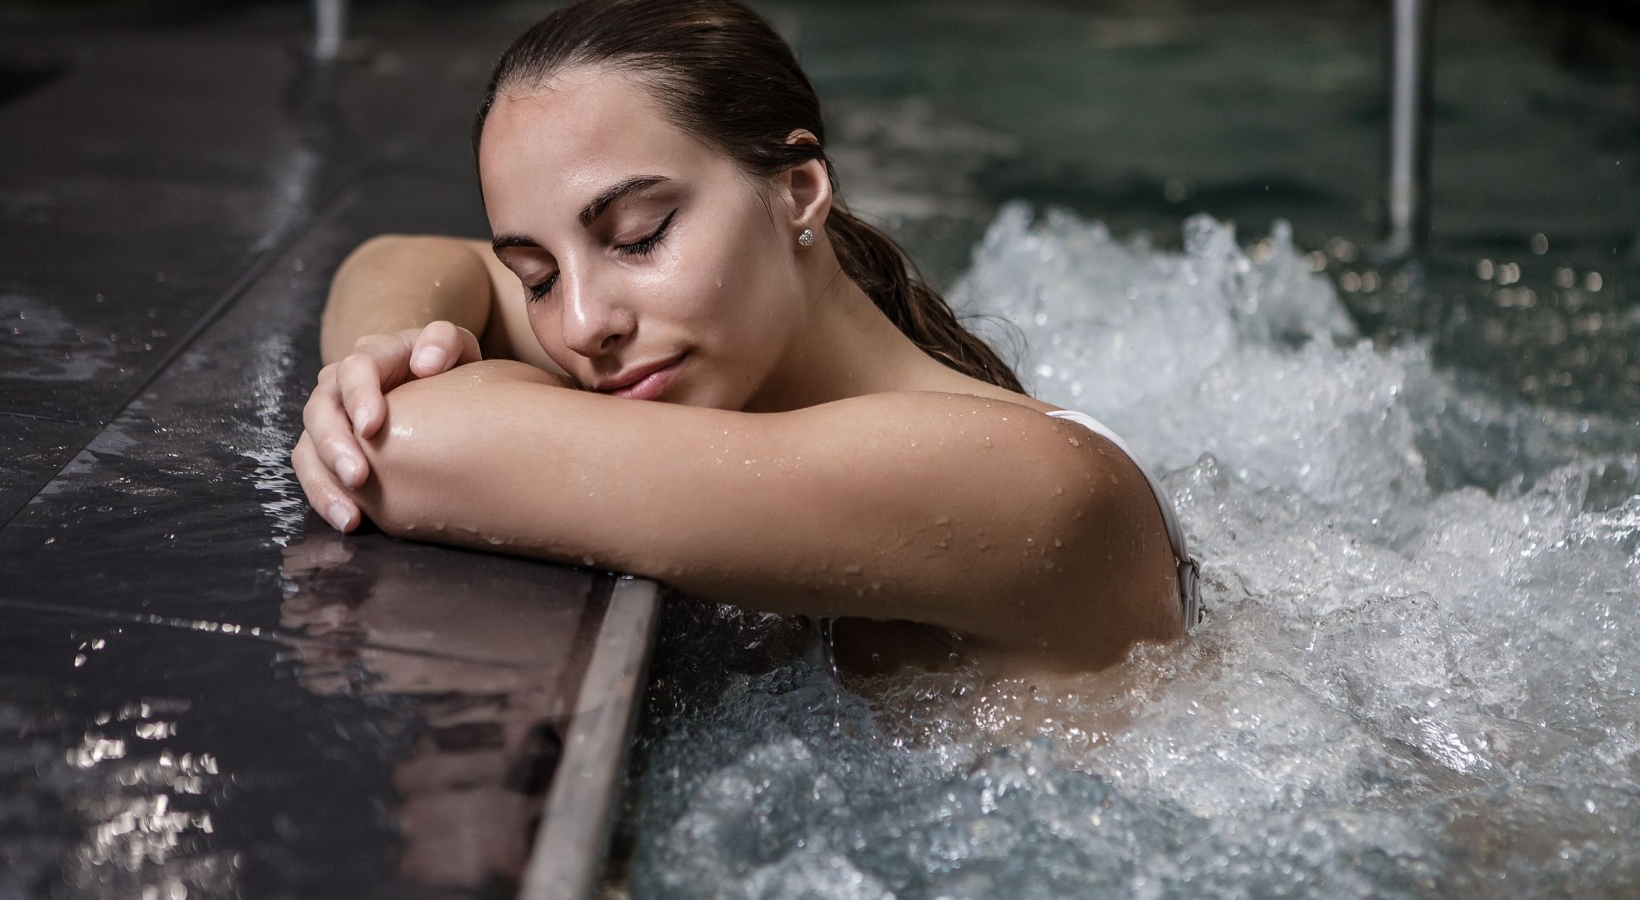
[
  {"x": 1042, "y": 539},
  {"x": 1004, "y": 460},
  {"x": 990, "y": 421}
]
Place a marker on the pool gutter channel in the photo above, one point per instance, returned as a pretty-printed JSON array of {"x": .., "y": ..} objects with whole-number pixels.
[{"x": 576, "y": 818}]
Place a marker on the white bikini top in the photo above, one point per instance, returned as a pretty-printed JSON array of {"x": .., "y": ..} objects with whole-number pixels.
[{"x": 1190, "y": 592}]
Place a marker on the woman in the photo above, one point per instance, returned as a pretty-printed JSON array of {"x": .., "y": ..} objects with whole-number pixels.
[{"x": 828, "y": 439}]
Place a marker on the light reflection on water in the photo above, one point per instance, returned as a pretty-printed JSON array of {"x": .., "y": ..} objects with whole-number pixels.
[{"x": 147, "y": 810}]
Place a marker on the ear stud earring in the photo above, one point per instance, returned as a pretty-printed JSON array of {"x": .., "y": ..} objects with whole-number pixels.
[{"x": 806, "y": 239}]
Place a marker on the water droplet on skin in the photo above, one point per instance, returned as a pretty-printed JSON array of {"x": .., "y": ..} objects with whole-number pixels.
[{"x": 1074, "y": 442}]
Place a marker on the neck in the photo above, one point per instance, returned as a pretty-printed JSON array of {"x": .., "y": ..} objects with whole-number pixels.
[{"x": 846, "y": 348}]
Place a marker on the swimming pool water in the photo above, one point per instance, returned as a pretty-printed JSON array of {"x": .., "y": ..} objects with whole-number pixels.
[
  {"x": 1408, "y": 683},
  {"x": 1414, "y": 490}
]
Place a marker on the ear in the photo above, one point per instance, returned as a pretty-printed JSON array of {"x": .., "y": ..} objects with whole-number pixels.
[{"x": 807, "y": 189}]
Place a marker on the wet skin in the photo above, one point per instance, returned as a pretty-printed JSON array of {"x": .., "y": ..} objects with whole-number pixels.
[{"x": 804, "y": 456}]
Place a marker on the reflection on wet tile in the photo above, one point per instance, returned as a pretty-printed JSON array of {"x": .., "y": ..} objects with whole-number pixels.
[
  {"x": 395, "y": 729},
  {"x": 139, "y": 778},
  {"x": 491, "y": 675}
]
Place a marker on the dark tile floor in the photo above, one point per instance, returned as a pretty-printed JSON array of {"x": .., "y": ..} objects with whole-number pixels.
[{"x": 202, "y": 688}]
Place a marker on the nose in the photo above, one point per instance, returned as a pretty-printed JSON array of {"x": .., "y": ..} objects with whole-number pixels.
[{"x": 596, "y": 321}]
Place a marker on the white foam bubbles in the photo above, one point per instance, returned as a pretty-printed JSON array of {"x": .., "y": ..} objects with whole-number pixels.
[{"x": 1419, "y": 675}]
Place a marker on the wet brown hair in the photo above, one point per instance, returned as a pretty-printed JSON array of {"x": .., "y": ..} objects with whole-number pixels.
[{"x": 722, "y": 74}]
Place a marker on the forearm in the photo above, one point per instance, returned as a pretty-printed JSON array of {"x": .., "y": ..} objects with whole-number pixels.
[
  {"x": 876, "y": 510},
  {"x": 394, "y": 282}
]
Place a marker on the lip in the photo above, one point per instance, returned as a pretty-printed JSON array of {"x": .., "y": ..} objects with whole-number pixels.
[{"x": 646, "y": 382}]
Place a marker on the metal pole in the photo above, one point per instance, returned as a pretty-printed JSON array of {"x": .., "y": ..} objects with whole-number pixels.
[
  {"x": 329, "y": 29},
  {"x": 1406, "y": 188}
]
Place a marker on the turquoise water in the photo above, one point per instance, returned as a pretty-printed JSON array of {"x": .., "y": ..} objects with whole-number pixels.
[{"x": 1415, "y": 492}]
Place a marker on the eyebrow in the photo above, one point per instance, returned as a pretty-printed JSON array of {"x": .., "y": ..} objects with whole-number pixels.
[
  {"x": 590, "y": 212},
  {"x": 601, "y": 202}
]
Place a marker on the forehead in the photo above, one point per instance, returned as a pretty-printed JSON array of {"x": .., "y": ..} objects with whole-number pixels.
[{"x": 561, "y": 144}]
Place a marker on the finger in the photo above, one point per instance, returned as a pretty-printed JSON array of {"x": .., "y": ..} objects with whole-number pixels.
[
  {"x": 442, "y": 346},
  {"x": 326, "y": 498},
  {"x": 361, "y": 380},
  {"x": 329, "y": 433}
]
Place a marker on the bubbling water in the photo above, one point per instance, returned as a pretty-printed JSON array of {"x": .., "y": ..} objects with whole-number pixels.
[{"x": 1419, "y": 674}]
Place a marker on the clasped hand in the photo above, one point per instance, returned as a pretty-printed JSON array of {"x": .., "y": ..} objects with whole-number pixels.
[{"x": 349, "y": 406}]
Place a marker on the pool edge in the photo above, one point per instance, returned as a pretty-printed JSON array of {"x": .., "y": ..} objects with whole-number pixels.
[{"x": 579, "y": 810}]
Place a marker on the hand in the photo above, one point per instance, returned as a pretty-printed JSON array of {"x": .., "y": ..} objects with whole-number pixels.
[{"x": 348, "y": 405}]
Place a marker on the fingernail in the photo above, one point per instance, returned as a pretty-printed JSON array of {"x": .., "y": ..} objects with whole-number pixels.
[
  {"x": 358, "y": 419},
  {"x": 349, "y": 469},
  {"x": 340, "y": 516},
  {"x": 430, "y": 358}
]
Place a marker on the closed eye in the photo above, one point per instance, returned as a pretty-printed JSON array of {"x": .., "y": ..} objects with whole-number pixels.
[
  {"x": 537, "y": 291},
  {"x": 643, "y": 246}
]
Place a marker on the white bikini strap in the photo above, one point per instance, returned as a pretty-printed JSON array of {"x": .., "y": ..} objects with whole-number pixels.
[{"x": 1188, "y": 569}]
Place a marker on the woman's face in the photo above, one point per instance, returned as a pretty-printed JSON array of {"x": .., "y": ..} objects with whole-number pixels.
[{"x": 652, "y": 266}]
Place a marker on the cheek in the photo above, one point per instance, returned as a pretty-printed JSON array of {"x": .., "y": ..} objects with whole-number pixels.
[
  {"x": 546, "y": 330},
  {"x": 750, "y": 301}
]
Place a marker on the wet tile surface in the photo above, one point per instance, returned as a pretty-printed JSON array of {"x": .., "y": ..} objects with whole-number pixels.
[
  {"x": 31, "y": 452},
  {"x": 379, "y": 718},
  {"x": 328, "y": 757},
  {"x": 204, "y": 691},
  {"x": 121, "y": 237}
]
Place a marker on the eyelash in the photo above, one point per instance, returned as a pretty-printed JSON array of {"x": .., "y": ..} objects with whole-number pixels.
[{"x": 641, "y": 247}]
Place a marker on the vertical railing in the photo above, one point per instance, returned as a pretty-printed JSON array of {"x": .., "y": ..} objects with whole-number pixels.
[
  {"x": 329, "y": 29},
  {"x": 1408, "y": 69}
]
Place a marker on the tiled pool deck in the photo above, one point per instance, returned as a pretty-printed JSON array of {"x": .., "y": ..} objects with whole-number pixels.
[{"x": 204, "y": 691}]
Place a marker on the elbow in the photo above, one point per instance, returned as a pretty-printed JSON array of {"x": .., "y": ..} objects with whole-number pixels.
[
  {"x": 410, "y": 462},
  {"x": 439, "y": 461}
]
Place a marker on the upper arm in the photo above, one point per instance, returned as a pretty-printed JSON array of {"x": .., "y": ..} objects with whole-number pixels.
[{"x": 980, "y": 515}]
